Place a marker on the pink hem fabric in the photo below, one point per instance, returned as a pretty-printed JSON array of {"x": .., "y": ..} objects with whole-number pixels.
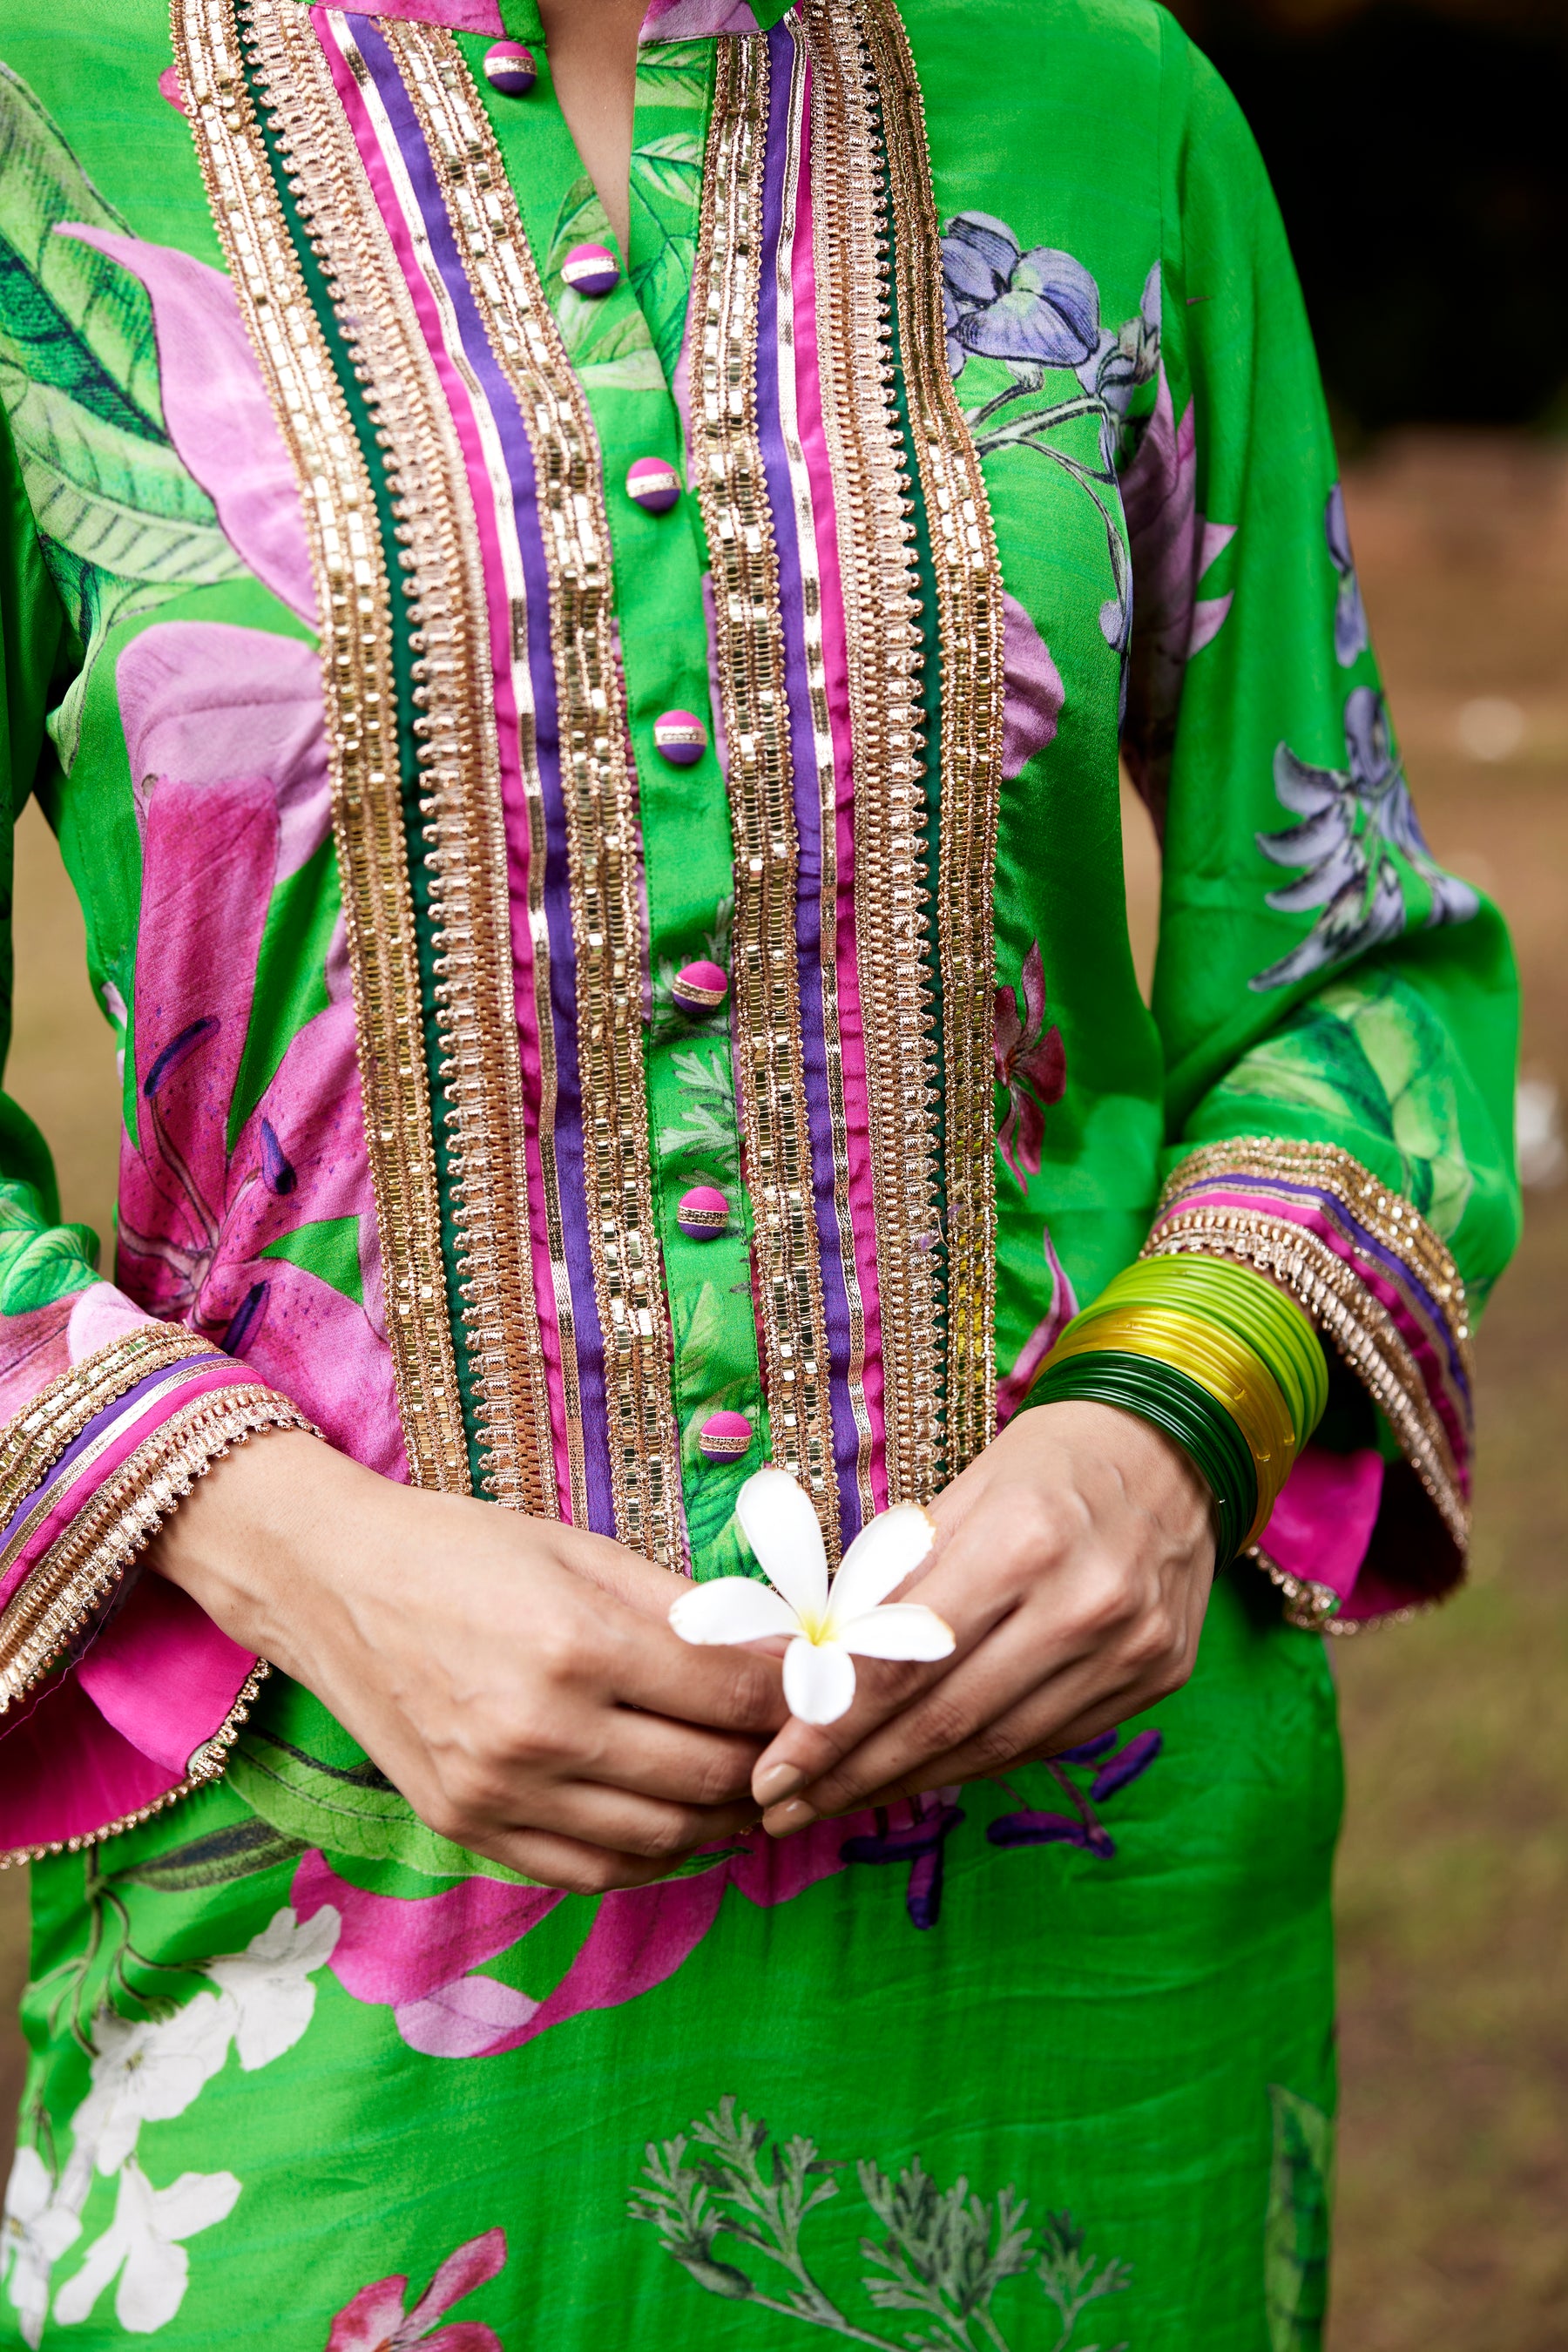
[{"x": 1323, "y": 1523}]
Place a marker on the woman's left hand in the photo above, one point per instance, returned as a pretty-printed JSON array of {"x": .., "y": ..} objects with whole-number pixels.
[{"x": 1073, "y": 1562}]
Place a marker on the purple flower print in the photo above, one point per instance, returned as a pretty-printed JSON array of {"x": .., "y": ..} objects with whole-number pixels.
[
  {"x": 1352, "y": 636},
  {"x": 1014, "y": 1387},
  {"x": 1032, "y": 688},
  {"x": 1352, "y": 818},
  {"x": 225, "y": 733},
  {"x": 1172, "y": 547},
  {"x": 1031, "y": 311},
  {"x": 1031, "y": 1064},
  {"x": 920, "y": 1841},
  {"x": 1031, "y": 1825},
  {"x": 219, "y": 415}
]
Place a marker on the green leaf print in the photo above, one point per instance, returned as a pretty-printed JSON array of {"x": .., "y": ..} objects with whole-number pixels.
[
  {"x": 666, "y": 194},
  {"x": 1369, "y": 1052},
  {"x": 239, "y": 1851},
  {"x": 51, "y": 1266},
  {"x": 351, "y": 1809},
  {"x": 121, "y": 522},
  {"x": 718, "y": 2188},
  {"x": 675, "y": 73},
  {"x": 1295, "y": 2238},
  {"x": 72, "y": 317}
]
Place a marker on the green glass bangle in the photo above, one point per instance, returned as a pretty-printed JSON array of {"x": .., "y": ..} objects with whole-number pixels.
[
  {"x": 1252, "y": 1309},
  {"x": 1167, "y": 1399}
]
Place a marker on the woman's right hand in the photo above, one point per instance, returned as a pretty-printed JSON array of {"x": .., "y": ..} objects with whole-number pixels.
[{"x": 516, "y": 1679}]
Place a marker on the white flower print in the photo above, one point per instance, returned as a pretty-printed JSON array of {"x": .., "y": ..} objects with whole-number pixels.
[
  {"x": 148, "y": 2071},
  {"x": 268, "y": 1984},
  {"x": 829, "y": 1626},
  {"x": 143, "y": 2246},
  {"x": 39, "y": 2227}
]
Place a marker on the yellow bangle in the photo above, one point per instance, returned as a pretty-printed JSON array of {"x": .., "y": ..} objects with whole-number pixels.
[{"x": 1234, "y": 1374}]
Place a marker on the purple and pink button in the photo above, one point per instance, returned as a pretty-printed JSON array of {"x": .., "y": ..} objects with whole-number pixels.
[
  {"x": 591, "y": 269},
  {"x": 510, "y": 67},
  {"x": 700, "y": 988},
  {"x": 703, "y": 1214},
  {"x": 681, "y": 737},
  {"x": 724, "y": 1437},
  {"x": 653, "y": 485}
]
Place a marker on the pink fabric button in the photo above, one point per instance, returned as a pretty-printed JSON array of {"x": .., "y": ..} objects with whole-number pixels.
[
  {"x": 653, "y": 485},
  {"x": 681, "y": 738},
  {"x": 700, "y": 988},
  {"x": 510, "y": 67},
  {"x": 703, "y": 1213},
  {"x": 724, "y": 1437},
  {"x": 591, "y": 269}
]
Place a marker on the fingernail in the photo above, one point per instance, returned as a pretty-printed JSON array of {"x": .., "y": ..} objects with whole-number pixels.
[
  {"x": 785, "y": 1821},
  {"x": 778, "y": 1782}
]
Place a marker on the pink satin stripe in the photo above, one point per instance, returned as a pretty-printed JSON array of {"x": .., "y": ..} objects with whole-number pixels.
[
  {"x": 76, "y": 1491},
  {"x": 388, "y": 185},
  {"x": 1411, "y": 1329},
  {"x": 452, "y": 16},
  {"x": 836, "y": 663}
]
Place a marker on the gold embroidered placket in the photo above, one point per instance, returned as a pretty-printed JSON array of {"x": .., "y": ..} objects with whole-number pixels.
[
  {"x": 354, "y": 600},
  {"x": 970, "y": 631},
  {"x": 881, "y": 612},
  {"x": 460, "y": 803},
  {"x": 599, "y": 788},
  {"x": 732, "y": 486}
]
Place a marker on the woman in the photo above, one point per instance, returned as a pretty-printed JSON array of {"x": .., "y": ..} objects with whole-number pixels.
[{"x": 574, "y": 581}]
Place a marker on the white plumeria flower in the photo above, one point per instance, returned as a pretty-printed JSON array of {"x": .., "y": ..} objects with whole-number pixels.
[
  {"x": 269, "y": 1983},
  {"x": 143, "y": 2245},
  {"x": 148, "y": 2071},
  {"x": 39, "y": 2227},
  {"x": 831, "y": 1626}
]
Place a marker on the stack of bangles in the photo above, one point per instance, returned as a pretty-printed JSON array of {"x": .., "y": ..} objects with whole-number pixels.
[{"x": 1215, "y": 1356}]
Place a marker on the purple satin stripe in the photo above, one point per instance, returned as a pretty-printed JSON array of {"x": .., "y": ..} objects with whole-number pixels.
[
  {"x": 1388, "y": 1259},
  {"x": 519, "y": 457},
  {"x": 807, "y": 808},
  {"x": 94, "y": 1430}
]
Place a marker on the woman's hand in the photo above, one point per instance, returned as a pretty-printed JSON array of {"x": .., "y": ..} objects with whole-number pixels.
[
  {"x": 517, "y": 1680},
  {"x": 1073, "y": 1561}
]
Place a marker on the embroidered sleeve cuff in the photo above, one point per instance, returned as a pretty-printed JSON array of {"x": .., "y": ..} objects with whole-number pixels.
[
  {"x": 1352, "y": 1539},
  {"x": 90, "y": 1468}
]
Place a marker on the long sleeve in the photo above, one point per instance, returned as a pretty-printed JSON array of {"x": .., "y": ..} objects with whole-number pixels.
[
  {"x": 1338, "y": 1013},
  {"x": 106, "y": 1413}
]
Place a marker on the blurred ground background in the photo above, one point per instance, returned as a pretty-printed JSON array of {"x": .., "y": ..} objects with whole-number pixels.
[{"x": 1424, "y": 173}]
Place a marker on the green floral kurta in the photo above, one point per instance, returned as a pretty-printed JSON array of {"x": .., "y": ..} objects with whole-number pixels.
[{"x": 593, "y": 780}]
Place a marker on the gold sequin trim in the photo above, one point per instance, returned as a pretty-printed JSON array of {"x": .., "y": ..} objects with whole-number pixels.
[
  {"x": 868, "y": 462},
  {"x": 1344, "y": 1312},
  {"x": 1385, "y": 1214},
  {"x": 34, "y": 1439},
  {"x": 599, "y": 787},
  {"x": 77, "y": 1575},
  {"x": 353, "y": 599},
  {"x": 460, "y": 802},
  {"x": 969, "y": 633},
  {"x": 766, "y": 1016},
  {"x": 208, "y": 1763}
]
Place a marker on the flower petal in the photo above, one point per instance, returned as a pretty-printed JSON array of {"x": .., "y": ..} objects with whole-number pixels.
[
  {"x": 887, "y": 1549},
  {"x": 780, "y": 1523},
  {"x": 818, "y": 1680},
  {"x": 904, "y": 1629},
  {"x": 731, "y": 1609}
]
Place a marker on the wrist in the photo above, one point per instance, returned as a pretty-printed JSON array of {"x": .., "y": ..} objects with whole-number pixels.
[{"x": 259, "y": 1532}]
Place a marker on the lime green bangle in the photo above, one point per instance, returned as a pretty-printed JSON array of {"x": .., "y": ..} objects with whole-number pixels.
[{"x": 1249, "y": 1306}]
